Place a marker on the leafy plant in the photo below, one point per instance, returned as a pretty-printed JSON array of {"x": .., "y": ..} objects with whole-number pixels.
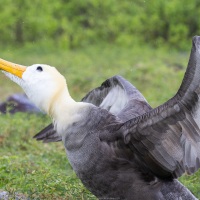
[{"x": 74, "y": 23}]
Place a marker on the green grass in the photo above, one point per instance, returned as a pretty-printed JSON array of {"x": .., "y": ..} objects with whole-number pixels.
[
  {"x": 42, "y": 171},
  {"x": 39, "y": 171}
]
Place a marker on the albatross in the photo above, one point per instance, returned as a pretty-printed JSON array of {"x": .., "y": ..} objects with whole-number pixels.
[{"x": 118, "y": 145}]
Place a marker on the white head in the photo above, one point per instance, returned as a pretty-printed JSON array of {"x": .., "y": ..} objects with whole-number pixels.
[{"x": 43, "y": 84}]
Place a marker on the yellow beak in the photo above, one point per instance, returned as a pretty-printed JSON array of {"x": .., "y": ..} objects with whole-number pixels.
[{"x": 12, "y": 68}]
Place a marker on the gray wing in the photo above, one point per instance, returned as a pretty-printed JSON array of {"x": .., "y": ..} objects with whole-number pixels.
[
  {"x": 167, "y": 138},
  {"x": 116, "y": 95},
  {"x": 119, "y": 97}
]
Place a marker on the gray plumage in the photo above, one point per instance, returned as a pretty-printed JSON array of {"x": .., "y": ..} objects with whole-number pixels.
[{"x": 121, "y": 148}]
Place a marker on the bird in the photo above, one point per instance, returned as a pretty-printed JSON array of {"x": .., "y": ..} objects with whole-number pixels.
[{"x": 117, "y": 144}]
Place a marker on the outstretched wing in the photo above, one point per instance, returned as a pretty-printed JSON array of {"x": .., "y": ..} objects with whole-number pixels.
[
  {"x": 119, "y": 97},
  {"x": 116, "y": 95},
  {"x": 167, "y": 138}
]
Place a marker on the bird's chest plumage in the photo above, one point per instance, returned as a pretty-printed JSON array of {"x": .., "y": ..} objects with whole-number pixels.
[
  {"x": 86, "y": 154},
  {"x": 81, "y": 141},
  {"x": 82, "y": 151},
  {"x": 91, "y": 160},
  {"x": 102, "y": 167},
  {"x": 88, "y": 162}
]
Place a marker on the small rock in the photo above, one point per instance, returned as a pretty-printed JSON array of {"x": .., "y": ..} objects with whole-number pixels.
[
  {"x": 4, "y": 195},
  {"x": 18, "y": 103}
]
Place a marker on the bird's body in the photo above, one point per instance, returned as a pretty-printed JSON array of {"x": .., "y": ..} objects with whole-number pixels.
[
  {"x": 117, "y": 144},
  {"x": 110, "y": 169}
]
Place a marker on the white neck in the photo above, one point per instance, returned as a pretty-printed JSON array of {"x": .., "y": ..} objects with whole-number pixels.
[
  {"x": 60, "y": 103},
  {"x": 64, "y": 111}
]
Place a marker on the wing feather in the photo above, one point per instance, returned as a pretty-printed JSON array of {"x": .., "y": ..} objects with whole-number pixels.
[
  {"x": 48, "y": 134},
  {"x": 115, "y": 94},
  {"x": 167, "y": 138}
]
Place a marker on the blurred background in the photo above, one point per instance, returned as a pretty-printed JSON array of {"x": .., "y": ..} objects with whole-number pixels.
[
  {"x": 148, "y": 42},
  {"x": 74, "y": 24},
  {"x": 96, "y": 38}
]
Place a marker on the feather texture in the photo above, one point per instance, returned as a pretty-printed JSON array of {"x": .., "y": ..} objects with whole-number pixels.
[{"x": 167, "y": 138}]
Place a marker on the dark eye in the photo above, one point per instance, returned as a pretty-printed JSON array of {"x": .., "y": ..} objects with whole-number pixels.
[{"x": 39, "y": 68}]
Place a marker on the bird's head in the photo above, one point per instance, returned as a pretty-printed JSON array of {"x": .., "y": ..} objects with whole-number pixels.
[{"x": 43, "y": 84}]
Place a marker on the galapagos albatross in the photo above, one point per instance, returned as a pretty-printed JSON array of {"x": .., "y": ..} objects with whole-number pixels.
[{"x": 118, "y": 145}]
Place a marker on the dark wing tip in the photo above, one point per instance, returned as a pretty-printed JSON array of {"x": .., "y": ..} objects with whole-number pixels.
[
  {"x": 48, "y": 134},
  {"x": 44, "y": 132}
]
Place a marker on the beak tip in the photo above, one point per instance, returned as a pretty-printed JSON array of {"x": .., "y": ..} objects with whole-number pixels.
[{"x": 12, "y": 68}]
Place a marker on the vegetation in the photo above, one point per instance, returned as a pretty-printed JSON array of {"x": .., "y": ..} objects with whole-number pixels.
[
  {"x": 36, "y": 170},
  {"x": 41, "y": 171},
  {"x": 75, "y": 23}
]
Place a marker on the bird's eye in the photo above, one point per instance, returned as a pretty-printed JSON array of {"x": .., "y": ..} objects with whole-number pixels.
[{"x": 39, "y": 68}]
